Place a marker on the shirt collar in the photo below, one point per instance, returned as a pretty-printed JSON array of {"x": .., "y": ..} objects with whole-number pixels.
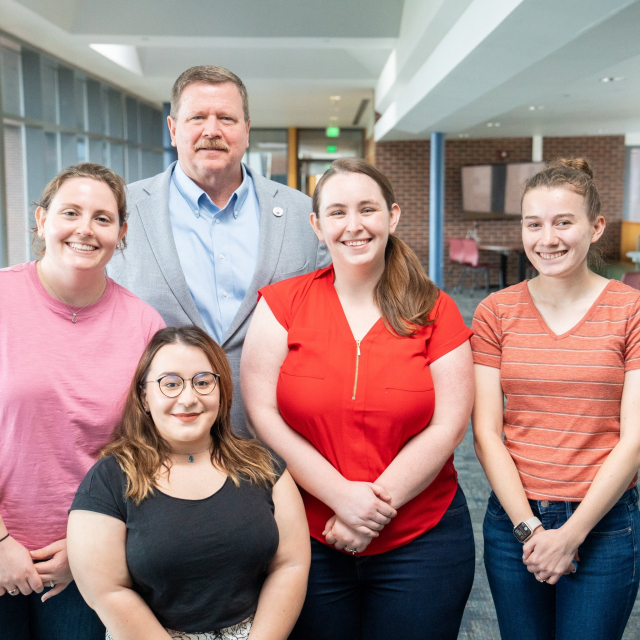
[{"x": 192, "y": 193}]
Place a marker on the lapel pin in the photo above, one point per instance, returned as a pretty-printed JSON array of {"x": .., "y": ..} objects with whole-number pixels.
[{"x": 277, "y": 211}]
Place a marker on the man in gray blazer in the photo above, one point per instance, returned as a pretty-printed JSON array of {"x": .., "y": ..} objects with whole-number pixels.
[{"x": 207, "y": 233}]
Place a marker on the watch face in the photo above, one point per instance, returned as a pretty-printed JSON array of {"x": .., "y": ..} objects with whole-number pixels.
[{"x": 522, "y": 532}]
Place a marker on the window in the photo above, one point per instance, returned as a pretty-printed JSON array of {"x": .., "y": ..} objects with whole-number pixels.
[{"x": 53, "y": 116}]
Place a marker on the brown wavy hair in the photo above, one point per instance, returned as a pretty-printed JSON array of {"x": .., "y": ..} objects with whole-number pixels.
[
  {"x": 575, "y": 174},
  {"x": 142, "y": 452},
  {"x": 404, "y": 294}
]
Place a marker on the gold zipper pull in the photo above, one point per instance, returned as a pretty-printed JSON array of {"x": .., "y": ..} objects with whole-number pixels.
[{"x": 355, "y": 382}]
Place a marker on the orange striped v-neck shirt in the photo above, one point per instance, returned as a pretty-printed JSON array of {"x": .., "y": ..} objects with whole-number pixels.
[{"x": 562, "y": 416}]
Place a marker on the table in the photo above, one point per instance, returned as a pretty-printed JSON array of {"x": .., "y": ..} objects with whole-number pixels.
[
  {"x": 504, "y": 250},
  {"x": 635, "y": 258}
]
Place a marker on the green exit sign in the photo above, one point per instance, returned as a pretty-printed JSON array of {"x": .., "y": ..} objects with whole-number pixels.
[
  {"x": 331, "y": 148},
  {"x": 333, "y": 132}
]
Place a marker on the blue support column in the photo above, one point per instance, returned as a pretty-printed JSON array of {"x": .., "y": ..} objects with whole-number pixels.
[
  {"x": 169, "y": 154},
  {"x": 436, "y": 209}
]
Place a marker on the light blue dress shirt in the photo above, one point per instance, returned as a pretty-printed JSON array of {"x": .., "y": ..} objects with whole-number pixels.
[{"x": 218, "y": 248}]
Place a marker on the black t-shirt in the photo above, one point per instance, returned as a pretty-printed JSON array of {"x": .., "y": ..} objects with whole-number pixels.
[{"x": 198, "y": 564}]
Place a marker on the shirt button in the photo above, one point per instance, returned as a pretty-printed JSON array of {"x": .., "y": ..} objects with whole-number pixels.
[
  {"x": 544, "y": 503},
  {"x": 224, "y": 293},
  {"x": 217, "y": 221},
  {"x": 221, "y": 257}
]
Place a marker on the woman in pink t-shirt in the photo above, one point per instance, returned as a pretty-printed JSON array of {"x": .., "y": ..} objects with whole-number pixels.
[{"x": 70, "y": 339}]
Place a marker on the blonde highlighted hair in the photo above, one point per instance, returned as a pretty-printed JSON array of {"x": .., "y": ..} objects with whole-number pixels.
[{"x": 142, "y": 452}]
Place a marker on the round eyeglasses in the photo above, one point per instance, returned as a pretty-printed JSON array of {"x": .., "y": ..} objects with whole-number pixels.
[{"x": 172, "y": 384}]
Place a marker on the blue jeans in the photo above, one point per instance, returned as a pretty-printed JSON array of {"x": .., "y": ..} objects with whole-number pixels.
[
  {"x": 592, "y": 604},
  {"x": 63, "y": 617},
  {"x": 415, "y": 592}
]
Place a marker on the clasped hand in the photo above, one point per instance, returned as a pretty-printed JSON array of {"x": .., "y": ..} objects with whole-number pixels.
[
  {"x": 549, "y": 555},
  {"x": 361, "y": 512},
  {"x": 18, "y": 570}
]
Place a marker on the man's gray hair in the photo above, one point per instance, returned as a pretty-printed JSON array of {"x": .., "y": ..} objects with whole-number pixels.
[{"x": 209, "y": 74}]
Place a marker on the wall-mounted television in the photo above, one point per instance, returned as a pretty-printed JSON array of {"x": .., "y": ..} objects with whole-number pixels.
[{"x": 495, "y": 190}]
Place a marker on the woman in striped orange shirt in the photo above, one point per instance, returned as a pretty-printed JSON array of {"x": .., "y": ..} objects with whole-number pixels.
[{"x": 562, "y": 524}]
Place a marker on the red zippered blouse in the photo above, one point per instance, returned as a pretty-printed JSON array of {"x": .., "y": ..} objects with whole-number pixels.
[{"x": 358, "y": 404}]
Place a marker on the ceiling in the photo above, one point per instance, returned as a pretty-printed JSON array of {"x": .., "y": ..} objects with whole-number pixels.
[{"x": 455, "y": 66}]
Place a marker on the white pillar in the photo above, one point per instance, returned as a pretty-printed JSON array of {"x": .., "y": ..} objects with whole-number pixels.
[{"x": 536, "y": 149}]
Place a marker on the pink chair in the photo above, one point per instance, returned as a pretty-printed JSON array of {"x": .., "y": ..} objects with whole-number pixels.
[
  {"x": 471, "y": 260},
  {"x": 456, "y": 254},
  {"x": 632, "y": 278}
]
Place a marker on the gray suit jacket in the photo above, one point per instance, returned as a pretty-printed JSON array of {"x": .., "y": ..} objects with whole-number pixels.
[{"x": 150, "y": 266}]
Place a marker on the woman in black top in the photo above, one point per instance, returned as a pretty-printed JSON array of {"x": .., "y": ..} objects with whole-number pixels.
[{"x": 181, "y": 527}]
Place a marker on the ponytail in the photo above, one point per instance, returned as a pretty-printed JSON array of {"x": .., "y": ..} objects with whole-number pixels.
[{"x": 404, "y": 294}]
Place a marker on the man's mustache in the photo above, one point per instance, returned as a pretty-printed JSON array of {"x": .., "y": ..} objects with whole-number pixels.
[{"x": 211, "y": 143}]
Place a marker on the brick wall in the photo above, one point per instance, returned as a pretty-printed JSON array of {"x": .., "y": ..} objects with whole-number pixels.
[{"x": 407, "y": 166}]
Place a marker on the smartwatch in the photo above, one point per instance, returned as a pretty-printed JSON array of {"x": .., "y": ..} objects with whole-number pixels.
[{"x": 525, "y": 529}]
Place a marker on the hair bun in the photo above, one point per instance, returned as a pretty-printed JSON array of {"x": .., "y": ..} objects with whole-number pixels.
[{"x": 579, "y": 164}]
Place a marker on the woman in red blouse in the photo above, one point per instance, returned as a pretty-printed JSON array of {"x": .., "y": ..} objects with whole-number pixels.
[{"x": 340, "y": 373}]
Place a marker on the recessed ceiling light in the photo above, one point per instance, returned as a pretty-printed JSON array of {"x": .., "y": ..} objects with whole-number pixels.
[
  {"x": 125, "y": 55},
  {"x": 493, "y": 124},
  {"x": 335, "y": 97},
  {"x": 463, "y": 135},
  {"x": 534, "y": 108},
  {"x": 612, "y": 79},
  {"x": 333, "y": 117}
]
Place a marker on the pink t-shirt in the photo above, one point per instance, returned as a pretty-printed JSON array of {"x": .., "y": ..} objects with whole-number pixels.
[{"x": 62, "y": 387}]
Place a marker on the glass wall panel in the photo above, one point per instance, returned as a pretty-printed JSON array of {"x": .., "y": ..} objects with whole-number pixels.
[
  {"x": 81, "y": 102},
  {"x": 316, "y": 152},
  {"x": 133, "y": 134},
  {"x": 80, "y": 118},
  {"x": 117, "y": 159},
  {"x": 66, "y": 97},
  {"x": 50, "y": 155},
  {"x": 151, "y": 163},
  {"x": 36, "y": 171},
  {"x": 82, "y": 149},
  {"x": 97, "y": 151},
  {"x": 17, "y": 231},
  {"x": 133, "y": 164},
  {"x": 68, "y": 150},
  {"x": 146, "y": 125},
  {"x": 49, "y": 106},
  {"x": 10, "y": 70},
  {"x": 157, "y": 125},
  {"x": 267, "y": 153},
  {"x": 94, "y": 106},
  {"x": 32, "y": 84},
  {"x": 114, "y": 102}
]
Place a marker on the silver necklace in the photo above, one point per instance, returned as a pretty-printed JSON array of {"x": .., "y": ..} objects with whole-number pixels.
[
  {"x": 195, "y": 453},
  {"x": 73, "y": 313}
]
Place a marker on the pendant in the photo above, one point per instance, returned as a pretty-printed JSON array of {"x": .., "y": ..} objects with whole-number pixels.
[
  {"x": 74, "y": 319},
  {"x": 191, "y": 458}
]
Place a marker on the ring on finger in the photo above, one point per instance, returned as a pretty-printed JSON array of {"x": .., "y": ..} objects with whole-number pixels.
[
  {"x": 351, "y": 551},
  {"x": 540, "y": 579},
  {"x": 52, "y": 583},
  {"x": 12, "y": 592}
]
